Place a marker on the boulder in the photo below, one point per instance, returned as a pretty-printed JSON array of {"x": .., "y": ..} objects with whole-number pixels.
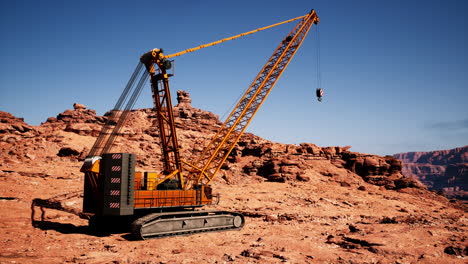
[
  {"x": 78, "y": 106},
  {"x": 68, "y": 152}
]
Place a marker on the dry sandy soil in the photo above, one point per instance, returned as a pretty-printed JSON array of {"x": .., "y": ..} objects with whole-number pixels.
[
  {"x": 320, "y": 221},
  {"x": 328, "y": 205}
]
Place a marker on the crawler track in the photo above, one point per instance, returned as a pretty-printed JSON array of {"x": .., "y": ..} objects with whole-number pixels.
[{"x": 183, "y": 223}]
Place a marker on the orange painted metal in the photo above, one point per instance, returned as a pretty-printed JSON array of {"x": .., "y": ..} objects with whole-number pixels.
[
  {"x": 139, "y": 180},
  {"x": 172, "y": 198}
]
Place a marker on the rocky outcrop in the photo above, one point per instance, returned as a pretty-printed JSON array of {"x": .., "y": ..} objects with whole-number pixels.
[
  {"x": 78, "y": 106},
  {"x": 252, "y": 159},
  {"x": 12, "y": 128},
  {"x": 381, "y": 171},
  {"x": 444, "y": 170},
  {"x": 183, "y": 99},
  {"x": 190, "y": 118},
  {"x": 282, "y": 162},
  {"x": 80, "y": 114},
  {"x": 80, "y": 120}
]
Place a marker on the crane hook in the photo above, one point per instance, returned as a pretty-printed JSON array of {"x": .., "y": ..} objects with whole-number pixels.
[{"x": 319, "y": 93}]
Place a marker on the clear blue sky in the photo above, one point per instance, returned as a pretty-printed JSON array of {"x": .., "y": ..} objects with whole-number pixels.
[{"x": 395, "y": 73}]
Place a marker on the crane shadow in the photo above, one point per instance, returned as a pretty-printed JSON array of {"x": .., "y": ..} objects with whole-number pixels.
[
  {"x": 67, "y": 228},
  {"x": 61, "y": 227}
]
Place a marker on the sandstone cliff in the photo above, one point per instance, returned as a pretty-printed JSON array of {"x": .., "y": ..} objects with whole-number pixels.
[{"x": 443, "y": 170}]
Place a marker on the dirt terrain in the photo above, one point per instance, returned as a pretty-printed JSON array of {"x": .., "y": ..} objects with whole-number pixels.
[{"x": 303, "y": 203}]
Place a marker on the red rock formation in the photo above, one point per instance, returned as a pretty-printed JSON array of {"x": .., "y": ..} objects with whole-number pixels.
[
  {"x": 11, "y": 124},
  {"x": 329, "y": 210},
  {"x": 444, "y": 170},
  {"x": 183, "y": 99},
  {"x": 81, "y": 120},
  {"x": 13, "y": 129},
  {"x": 440, "y": 157},
  {"x": 252, "y": 158}
]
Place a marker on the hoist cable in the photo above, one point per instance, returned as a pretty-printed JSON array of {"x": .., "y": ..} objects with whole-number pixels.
[
  {"x": 113, "y": 115},
  {"x": 123, "y": 116},
  {"x": 319, "y": 73}
]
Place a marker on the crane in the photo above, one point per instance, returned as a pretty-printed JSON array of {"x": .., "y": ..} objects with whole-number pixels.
[{"x": 163, "y": 204}]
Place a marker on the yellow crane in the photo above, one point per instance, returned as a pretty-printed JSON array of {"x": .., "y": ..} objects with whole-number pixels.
[{"x": 114, "y": 195}]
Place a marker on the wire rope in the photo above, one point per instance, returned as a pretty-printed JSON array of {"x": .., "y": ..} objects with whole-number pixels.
[{"x": 113, "y": 115}]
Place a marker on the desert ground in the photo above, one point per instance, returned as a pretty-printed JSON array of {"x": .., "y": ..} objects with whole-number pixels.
[{"x": 303, "y": 204}]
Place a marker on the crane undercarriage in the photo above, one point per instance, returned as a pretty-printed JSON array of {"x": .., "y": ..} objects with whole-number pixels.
[{"x": 184, "y": 223}]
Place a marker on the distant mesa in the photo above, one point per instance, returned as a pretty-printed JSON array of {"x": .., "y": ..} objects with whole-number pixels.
[
  {"x": 443, "y": 170},
  {"x": 439, "y": 157}
]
